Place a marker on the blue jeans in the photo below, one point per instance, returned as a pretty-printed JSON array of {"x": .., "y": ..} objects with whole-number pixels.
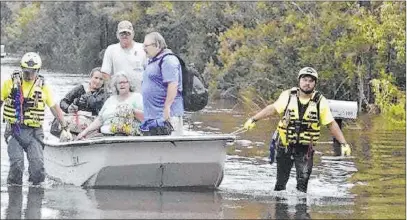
[{"x": 29, "y": 140}]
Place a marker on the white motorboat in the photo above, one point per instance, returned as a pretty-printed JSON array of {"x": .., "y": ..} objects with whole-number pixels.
[{"x": 143, "y": 161}]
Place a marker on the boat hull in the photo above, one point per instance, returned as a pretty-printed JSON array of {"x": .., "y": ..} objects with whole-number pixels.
[{"x": 163, "y": 161}]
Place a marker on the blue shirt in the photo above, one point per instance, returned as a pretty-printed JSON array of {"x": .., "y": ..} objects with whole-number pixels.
[{"x": 154, "y": 86}]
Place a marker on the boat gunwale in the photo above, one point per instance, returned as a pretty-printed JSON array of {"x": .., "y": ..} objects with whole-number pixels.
[{"x": 140, "y": 139}]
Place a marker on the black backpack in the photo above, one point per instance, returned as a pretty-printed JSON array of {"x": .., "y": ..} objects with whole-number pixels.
[{"x": 194, "y": 92}]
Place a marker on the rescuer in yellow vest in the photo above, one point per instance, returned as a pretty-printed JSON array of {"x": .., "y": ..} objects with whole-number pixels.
[
  {"x": 25, "y": 96},
  {"x": 303, "y": 111}
]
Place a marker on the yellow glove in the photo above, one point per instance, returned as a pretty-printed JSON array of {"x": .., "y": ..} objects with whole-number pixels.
[
  {"x": 345, "y": 149},
  {"x": 65, "y": 135},
  {"x": 250, "y": 124}
]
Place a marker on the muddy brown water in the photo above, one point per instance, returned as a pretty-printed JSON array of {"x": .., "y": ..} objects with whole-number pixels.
[{"x": 370, "y": 185}]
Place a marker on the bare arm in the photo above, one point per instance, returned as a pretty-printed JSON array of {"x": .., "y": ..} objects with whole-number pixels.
[
  {"x": 265, "y": 112},
  {"x": 96, "y": 124},
  {"x": 139, "y": 115},
  {"x": 57, "y": 112},
  {"x": 336, "y": 132},
  {"x": 172, "y": 89}
]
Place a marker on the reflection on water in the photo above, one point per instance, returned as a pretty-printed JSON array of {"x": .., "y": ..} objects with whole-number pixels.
[
  {"x": 64, "y": 201},
  {"x": 381, "y": 180},
  {"x": 281, "y": 210},
  {"x": 371, "y": 182},
  {"x": 157, "y": 204},
  {"x": 15, "y": 203}
]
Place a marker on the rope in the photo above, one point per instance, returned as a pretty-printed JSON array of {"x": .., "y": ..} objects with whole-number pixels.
[
  {"x": 325, "y": 142},
  {"x": 18, "y": 106},
  {"x": 238, "y": 131}
]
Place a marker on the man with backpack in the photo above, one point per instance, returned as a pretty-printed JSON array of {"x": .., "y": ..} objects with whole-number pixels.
[
  {"x": 161, "y": 89},
  {"x": 303, "y": 110}
]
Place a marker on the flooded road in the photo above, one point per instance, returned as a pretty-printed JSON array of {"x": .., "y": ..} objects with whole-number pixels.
[{"x": 370, "y": 185}]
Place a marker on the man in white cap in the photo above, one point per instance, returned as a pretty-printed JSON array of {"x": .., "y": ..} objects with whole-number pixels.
[{"x": 127, "y": 55}]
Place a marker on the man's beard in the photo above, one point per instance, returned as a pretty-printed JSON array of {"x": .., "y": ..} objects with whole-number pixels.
[{"x": 307, "y": 92}]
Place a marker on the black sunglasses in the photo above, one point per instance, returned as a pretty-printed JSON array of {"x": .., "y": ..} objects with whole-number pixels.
[{"x": 124, "y": 34}]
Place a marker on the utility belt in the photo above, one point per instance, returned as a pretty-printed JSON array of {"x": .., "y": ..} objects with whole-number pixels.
[
  {"x": 294, "y": 148},
  {"x": 277, "y": 148}
]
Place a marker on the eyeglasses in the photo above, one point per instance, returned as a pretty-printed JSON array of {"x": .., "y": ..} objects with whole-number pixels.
[
  {"x": 122, "y": 82},
  {"x": 124, "y": 34},
  {"x": 148, "y": 45}
]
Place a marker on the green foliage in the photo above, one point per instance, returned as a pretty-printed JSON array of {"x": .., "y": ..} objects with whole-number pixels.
[
  {"x": 344, "y": 50},
  {"x": 21, "y": 21},
  {"x": 391, "y": 101},
  {"x": 238, "y": 46}
]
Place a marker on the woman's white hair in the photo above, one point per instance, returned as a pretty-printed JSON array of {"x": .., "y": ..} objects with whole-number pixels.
[{"x": 115, "y": 80}]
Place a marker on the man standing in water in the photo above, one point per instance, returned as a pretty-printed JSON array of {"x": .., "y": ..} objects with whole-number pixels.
[
  {"x": 303, "y": 110},
  {"x": 25, "y": 96},
  {"x": 127, "y": 55}
]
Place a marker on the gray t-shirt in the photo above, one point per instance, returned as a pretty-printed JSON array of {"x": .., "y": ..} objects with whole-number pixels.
[{"x": 131, "y": 61}]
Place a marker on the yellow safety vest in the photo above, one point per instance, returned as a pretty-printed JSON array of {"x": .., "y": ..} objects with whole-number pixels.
[
  {"x": 32, "y": 108},
  {"x": 295, "y": 130}
]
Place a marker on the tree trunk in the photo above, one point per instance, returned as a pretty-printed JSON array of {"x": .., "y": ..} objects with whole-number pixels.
[{"x": 360, "y": 83}]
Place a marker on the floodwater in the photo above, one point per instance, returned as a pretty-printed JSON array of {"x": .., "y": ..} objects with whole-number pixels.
[{"x": 369, "y": 185}]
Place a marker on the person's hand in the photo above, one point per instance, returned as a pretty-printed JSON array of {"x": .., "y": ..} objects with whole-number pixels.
[
  {"x": 81, "y": 135},
  {"x": 166, "y": 113},
  {"x": 345, "y": 149},
  {"x": 72, "y": 108},
  {"x": 65, "y": 135},
  {"x": 250, "y": 124}
]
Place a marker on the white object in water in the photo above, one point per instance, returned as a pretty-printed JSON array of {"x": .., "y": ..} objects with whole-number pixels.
[{"x": 343, "y": 109}]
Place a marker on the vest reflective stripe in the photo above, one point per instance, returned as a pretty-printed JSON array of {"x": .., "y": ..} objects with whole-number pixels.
[
  {"x": 292, "y": 130},
  {"x": 33, "y": 112}
]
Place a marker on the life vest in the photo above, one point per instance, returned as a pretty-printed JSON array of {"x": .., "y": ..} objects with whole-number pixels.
[
  {"x": 300, "y": 123},
  {"x": 31, "y": 109}
]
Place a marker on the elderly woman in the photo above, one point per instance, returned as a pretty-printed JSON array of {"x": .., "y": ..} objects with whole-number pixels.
[{"x": 122, "y": 112}]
